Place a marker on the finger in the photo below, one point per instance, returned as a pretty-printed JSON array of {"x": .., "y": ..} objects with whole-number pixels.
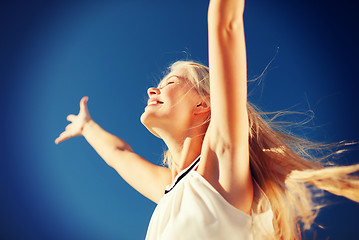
[
  {"x": 83, "y": 103},
  {"x": 60, "y": 138},
  {"x": 63, "y": 136},
  {"x": 71, "y": 117}
]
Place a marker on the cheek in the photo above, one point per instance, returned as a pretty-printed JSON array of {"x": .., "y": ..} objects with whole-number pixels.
[
  {"x": 182, "y": 100},
  {"x": 185, "y": 93}
]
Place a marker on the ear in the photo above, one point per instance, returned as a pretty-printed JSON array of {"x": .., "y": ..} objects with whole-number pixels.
[{"x": 201, "y": 107}]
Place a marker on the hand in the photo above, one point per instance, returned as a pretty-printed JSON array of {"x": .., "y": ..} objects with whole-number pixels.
[{"x": 77, "y": 124}]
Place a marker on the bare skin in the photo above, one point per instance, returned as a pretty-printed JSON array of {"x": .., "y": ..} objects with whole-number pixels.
[
  {"x": 223, "y": 144},
  {"x": 150, "y": 180}
]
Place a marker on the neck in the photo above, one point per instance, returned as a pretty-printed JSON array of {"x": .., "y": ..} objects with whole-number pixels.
[{"x": 184, "y": 148}]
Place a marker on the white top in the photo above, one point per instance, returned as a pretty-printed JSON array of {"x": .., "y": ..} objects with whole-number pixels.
[{"x": 192, "y": 209}]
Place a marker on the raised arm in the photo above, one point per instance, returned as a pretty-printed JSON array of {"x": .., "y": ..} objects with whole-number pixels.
[
  {"x": 228, "y": 70},
  {"x": 226, "y": 164},
  {"x": 148, "y": 179}
]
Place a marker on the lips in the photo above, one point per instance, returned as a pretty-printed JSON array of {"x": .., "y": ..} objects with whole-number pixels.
[{"x": 153, "y": 101}]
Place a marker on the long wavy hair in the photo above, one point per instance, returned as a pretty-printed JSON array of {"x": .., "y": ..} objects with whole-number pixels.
[{"x": 284, "y": 166}]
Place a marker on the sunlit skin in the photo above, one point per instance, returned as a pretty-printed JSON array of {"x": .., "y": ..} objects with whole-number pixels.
[
  {"x": 177, "y": 114},
  {"x": 230, "y": 140},
  {"x": 171, "y": 104}
]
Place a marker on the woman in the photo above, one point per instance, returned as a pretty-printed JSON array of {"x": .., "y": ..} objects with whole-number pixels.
[{"x": 232, "y": 174}]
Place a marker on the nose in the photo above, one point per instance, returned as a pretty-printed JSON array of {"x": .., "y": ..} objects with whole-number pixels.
[{"x": 153, "y": 91}]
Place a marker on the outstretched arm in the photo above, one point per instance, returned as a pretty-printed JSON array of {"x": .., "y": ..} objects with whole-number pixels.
[
  {"x": 228, "y": 153},
  {"x": 149, "y": 179}
]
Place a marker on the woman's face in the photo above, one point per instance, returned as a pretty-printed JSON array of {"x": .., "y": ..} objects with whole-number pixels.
[{"x": 171, "y": 104}]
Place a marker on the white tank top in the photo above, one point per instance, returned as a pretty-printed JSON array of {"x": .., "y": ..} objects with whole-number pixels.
[{"x": 192, "y": 209}]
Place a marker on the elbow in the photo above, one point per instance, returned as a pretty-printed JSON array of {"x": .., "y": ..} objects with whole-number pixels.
[
  {"x": 227, "y": 24},
  {"x": 233, "y": 25},
  {"x": 227, "y": 16}
]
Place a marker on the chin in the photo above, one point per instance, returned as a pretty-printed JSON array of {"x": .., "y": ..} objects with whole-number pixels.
[
  {"x": 143, "y": 118},
  {"x": 146, "y": 121}
]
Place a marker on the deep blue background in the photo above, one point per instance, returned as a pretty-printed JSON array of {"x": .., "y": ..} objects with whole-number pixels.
[{"x": 54, "y": 52}]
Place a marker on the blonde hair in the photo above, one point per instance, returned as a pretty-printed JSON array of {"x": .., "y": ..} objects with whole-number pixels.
[{"x": 283, "y": 165}]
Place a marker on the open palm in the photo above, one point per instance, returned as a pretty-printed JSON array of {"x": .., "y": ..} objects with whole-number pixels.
[{"x": 77, "y": 124}]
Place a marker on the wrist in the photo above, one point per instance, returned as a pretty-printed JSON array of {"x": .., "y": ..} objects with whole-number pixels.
[{"x": 87, "y": 126}]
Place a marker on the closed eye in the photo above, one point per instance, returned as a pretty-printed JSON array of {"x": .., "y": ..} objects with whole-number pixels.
[{"x": 167, "y": 83}]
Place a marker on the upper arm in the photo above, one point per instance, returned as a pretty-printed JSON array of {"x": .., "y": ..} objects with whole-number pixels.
[
  {"x": 147, "y": 178},
  {"x": 226, "y": 148}
]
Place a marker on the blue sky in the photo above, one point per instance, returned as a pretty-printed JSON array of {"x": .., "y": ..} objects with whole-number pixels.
[{"x": 54, "y": 52}]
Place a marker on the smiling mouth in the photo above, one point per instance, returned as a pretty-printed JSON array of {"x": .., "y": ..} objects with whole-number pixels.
[{"x": 155, "y": 102}]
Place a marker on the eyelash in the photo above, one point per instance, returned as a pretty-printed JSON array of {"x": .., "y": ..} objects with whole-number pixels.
[{"x": 168, "y": 83}]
